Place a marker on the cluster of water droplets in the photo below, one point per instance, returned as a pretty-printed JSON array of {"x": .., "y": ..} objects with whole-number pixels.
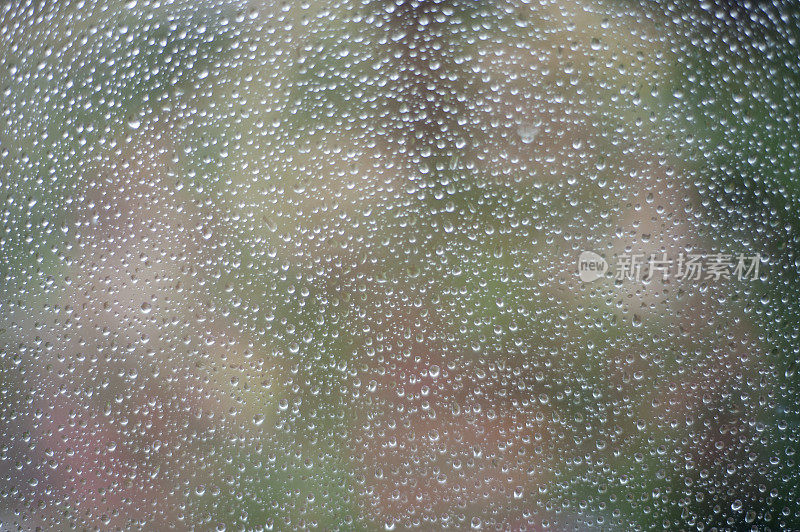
[{"x": 313, "y": 265}]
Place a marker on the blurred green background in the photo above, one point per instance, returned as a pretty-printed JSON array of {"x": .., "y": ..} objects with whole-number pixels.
[{"x": 313, "y": 265}]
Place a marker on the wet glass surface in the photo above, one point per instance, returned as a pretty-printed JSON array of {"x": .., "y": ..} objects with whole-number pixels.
[{"x": 367, "y": 265}]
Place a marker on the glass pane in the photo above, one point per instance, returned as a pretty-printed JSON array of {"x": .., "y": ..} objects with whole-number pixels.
[{"x": 359, "y": 265}]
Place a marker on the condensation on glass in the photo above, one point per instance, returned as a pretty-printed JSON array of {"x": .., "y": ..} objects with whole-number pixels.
[{"x": 358, "y": 265}]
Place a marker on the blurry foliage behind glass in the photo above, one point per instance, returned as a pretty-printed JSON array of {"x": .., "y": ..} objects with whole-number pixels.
[{"x": 313, "y": 265}]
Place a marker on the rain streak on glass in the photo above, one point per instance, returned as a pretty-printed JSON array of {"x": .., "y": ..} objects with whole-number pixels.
[{"x": 378, "y": 264}]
